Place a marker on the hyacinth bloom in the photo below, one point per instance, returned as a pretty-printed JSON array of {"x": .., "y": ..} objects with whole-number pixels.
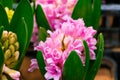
[
  {"x": 54, "y": 13},
  {"x": 55, "y": 10},
  {"x": 62, "y": 41}
]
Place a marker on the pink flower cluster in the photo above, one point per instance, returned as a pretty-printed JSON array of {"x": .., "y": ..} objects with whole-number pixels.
[
  {"x": 62, "y": 41},
  {"x": 55, "y": 10}
]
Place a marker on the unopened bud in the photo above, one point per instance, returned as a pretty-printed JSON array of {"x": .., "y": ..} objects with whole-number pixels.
[
  {"x": 16, "y": 45},
  {"x": 13, "y": 35},
  {"x": 3, "y": 48},
  {"x": 9, "y": 13},
  {"x": 6, "y": 43},
  {"x": 4, "y": 35},
  {"x": 16, "y": 54},
  {"x": 12, "y": 64},
  {"x": 9, "y": 33},
  {"x": 12, "y": 40},
  {"x": 12, "y": 48},
  {"x": 10, "y": 61},
  {"x": 7, "y": 54},
  {"x": 4, "y": 77}
]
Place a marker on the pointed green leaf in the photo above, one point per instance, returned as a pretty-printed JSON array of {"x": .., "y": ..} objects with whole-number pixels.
[
  {"x": 42, "y": 34},
  {"x": 96, "y": 13},
  {"x": 1, "y": 31},
  {"x": 87, "y": 58},
  {"x": 1, "y": 60},
  {"x": 83, "y": 9},
  {"x": 41, "y": 18},
  {"x": 22, "y": 33},
  {"x": 99, "y": 53},
  {"x": 23, "y": 10},
  {"x": 3, "y": 18},
  {"x": 7, "y": 3},
  {"x": 73, "y": 67},
  {"x": 41, "y": 63}
]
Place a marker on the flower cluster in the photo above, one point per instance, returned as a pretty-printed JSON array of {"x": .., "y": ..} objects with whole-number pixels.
[
  {"x": 55, "y": 12},
  {"x": 62, "y": 41},
  {"x": 10, "y": 47}
]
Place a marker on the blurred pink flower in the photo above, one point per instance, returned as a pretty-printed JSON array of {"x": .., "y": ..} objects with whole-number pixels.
[
  {"x": 55, "y": 10},
  {"x": 62, "y": 41},
  {"x": 33, "y": 65},
  {"x": 34, "y": 38}
]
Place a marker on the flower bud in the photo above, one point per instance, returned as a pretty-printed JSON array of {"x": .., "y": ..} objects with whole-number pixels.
[
  {"x": 12, "y": 64},
  {"x": 12, "y": 73},
  {"x": 4, "y": 35},
  {"x": 12, "y": 48},
  {"x": 13, "y": 35},
  {"x": 10, "y": 61},
  {"x": 4, "y": 77},
  {"x": 16, "y": 45},
  {"x": 5, "y": 44},
  {"x": 9, "y": 13},
  {"x": 12, "y": 40},
  {"x": 7, "y": 54},
  {"x": 9, "y": 33},
  {"x": 16, "y": 54},
  {"x": 3, "y": 48}
]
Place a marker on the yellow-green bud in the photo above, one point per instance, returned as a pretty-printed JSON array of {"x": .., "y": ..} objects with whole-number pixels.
[
  {"x": 12, "y": 48},
  {"x": 9, "y": 33},
  {"x": 12, "y": 64},
  {"x": 3, "y": 48},
  {"x": 16, "y": 45},
  {"x": 4, "y": 77},
  {"x": 7, "y": 54},
  {"x": 10, "y": 61},
  {"x": 13, "y": 35},
  {"x": 5, "y": 44},
  {"x": 16, "y": 54},
  {"x": 4, "y": 35},
  {"x": 12, "y": 40}
]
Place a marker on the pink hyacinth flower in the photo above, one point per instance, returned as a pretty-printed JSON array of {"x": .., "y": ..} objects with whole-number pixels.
[
  {"x": 62, "y": 41},
  {"x": 55, "y": 10}
]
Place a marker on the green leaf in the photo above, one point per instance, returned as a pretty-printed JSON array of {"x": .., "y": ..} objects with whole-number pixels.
[
  {"x": 1, "y": 31},
  {"x": 3, "y": 18},
  {"x": 42, "y": 34},
  {"x": 96, "y": 13},
  {"x": 83, "y": 9},
  {"x": 87, "y": 58},
  {"x": 96, "y": 64},
  {"x": 73, "y": 67},
  {"x": 1, "y": 60},
  {"x": 23, "y": 10},
  {"x": 7, "y": 3},
  {"x": 41, "y": 18},
  {"x": 22, "y": 34},
  {"x": 41, "y": 62}
]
